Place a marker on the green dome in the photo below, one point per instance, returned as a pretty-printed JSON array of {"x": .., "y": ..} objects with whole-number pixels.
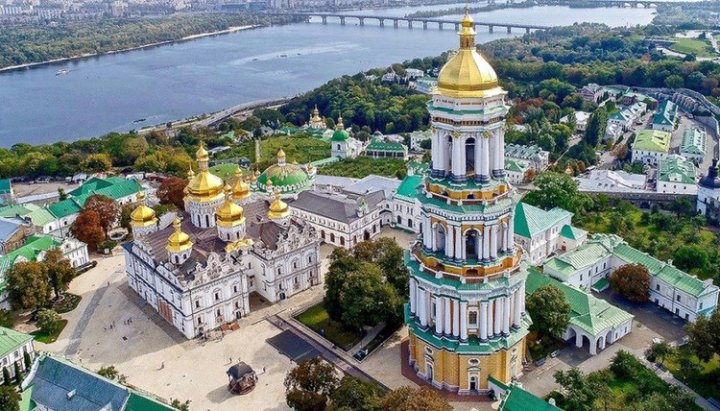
[
  {"x": 286, "y": 177},
  {"x": 340, "y": 135}
]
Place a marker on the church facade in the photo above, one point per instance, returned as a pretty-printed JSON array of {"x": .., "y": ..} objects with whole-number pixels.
[
  {"x": 466, "y": 316},
  {"x": 199, "y": 273}
]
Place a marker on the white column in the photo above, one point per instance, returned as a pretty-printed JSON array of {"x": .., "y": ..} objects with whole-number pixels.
[
  {"x": 497, "y": 321},
  {"x": 490, "y": 318},
  {"x": 517, "y": 314},
  {"x": 428, "y": 237},
  {"x": 478, "y": 154},
  {"x": 463, "y": 320},
  {"x": 413, "y": 290},
  {"x": 438, "y": 316},
  {"x": 486, "y": 242},
  {"x": 511, "y": 233},
  {"x": 459, "y": 242},
  {"x": 506, "y": 315},
  {"x": 485, "y": 161},
  {"x": 483, "y": 320},
  {"x": 446, "y": 152},
  {"x": 456, "y": 164},
  {"x": 522, "y": 298},
  {"x": 456, "y": 318},
  {"x": 449, "y": 246},
  {"x": 500, "y": 147},
  {"x": 435, "y": 151},
  {"x": 423, "y": 307},
  {"x": 494, "y": 242},
  {"x": 447, "y": 323},
  {"x": 504, "y": 236}
]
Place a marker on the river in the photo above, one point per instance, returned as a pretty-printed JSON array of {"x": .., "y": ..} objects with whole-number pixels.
[{"x": 113, "y": 92}]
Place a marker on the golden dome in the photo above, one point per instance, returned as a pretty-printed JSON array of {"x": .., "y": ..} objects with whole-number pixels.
[
  {"x": 281, "y": 155},
  {"x": 467, "y": 74},
  {"x": 142, "y": 216},
  {"x": 241, "y": 189},
  {"x": 203, "y": 186},
  {"x": 229, "y": 214},
  {"x": 278, "y": 208},
  {"x": 178, "y": 241}
]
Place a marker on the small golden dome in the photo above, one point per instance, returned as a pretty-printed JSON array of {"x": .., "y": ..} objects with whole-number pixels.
[
  {"x": 467, "y": 74},
  {"x": 178, "y": 241},
  {"x": 278, "y": 208},
  {"x": 142, "y": 216},
  {"x": 229, "y": 214},
  {"x": 339, "y": 125},
  {"x": 241, "y": 189},
  {"x": 201, "y": 154},
  {"x": 190, "y": 174},
  {"x": 281, "y": 155},
  {"x": 205, "y": 186}
]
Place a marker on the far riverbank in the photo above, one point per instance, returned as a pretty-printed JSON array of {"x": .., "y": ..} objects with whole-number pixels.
[{"x": 127, "y": 49}]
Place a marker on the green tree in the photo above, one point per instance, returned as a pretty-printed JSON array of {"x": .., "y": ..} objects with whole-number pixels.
[
  {"x": 59, "y": 270},
  {"x": 309, "y": 385},
  {"x": 96, "y": 163},
  {"x": 595, "y": 129},
  {"x": 367, "y": 299},
  {"x": 341, "y": 263},
  {"x": 28, "y": 286},
  {"x": 674, "y": 81},
  {"x": 27, "y": 360},
  {"x": 414, "y": 399},
  {"x": 691, "y": 257},
  {"x": 549, "y": 310},
  {"x": 579, "y": 393},
  {"x": 632, "y": 281},
  {"x": 659, "y": 351},
  {"x": 9, "y": 399},
  {"x": 6, "y": 376},
  {"x": 356, "y": 395},
  {"x": 704, "y": 336},
  {"x": 557, "y": 190},
  {"x": 48, "y": 321},
  {"x": 180, "y": 405},
  {"x": 109, "y": 372},
  {"x": 18, "y": 373}
]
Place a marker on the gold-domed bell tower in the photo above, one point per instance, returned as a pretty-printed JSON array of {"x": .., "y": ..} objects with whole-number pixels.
[
  {"x": 142, "y": 219},
  {"x": 179, "y": 246},
  {"x": 230, "y": 219},
  {"x": 204, "y": 192},
  {"x": 466, "y": 316}
]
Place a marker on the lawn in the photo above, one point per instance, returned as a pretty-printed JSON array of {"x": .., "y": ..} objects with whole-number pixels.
[
  {"x": 696, "y": 47},
  {"x": 362, "y": 166},
  {"x": 299, "y": 148},
  {"x": 702, "y": 377},
  {"x": 319, "y": 321},
  {"x": 49, "y": 338}
]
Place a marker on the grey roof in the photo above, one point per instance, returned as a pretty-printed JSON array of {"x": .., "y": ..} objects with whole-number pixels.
[
  {"x": 8, "y": 227},
  {"x": 55, "y": 379},
  {"x": 239, "y": 370},
  {"x": 338, "y": 207},
  {"x": 374, "y": 183},
  {"x": 324, "y": 180}
]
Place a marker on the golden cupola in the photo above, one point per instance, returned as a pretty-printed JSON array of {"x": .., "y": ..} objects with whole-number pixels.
[
  {"x": 278, "y": 208},
  {"x": 229, "y": 214},
  {"x": 178, "y": 242},
  {"x": 203, "y": 186},
  {"x": 142, "y": 216},
  {"x": 467, "y": 74},
  {"x": 241, "y": 189}
]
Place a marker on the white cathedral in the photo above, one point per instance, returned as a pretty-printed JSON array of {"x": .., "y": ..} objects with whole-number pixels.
[{"x": 199, "y": 272}]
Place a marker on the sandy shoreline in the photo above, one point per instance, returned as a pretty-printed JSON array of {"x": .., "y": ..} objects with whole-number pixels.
[{"x": 143, "y": 46}]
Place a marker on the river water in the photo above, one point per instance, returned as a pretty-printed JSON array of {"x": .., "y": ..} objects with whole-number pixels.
[{"x": 113, "y": 92}]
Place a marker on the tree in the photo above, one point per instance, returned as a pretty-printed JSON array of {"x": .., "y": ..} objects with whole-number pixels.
[
  {"x": 341, "y": 263},
  {"x": 181, "y": 406},
  {"x": 9, "y": 399},
  {"x": 48, "y": 321},
  {"x": 632, "y": 281},
  {"x": 595, "y": 129},
  {"x": 95, "y": 163},
  {"x": 366, "y": 299},
  {"x": 388, "y": 255},
  {"x": 109, "y": 372},
  {"x": 172, "y": 191},
  {"x": 549, "y": 310},
  {"x": 557, "y": 190},
  {"x": 87, "y": 229},
  {"x": 691, "y": 256},
  {"x": 108, "y": 211},
  {"x": 309, "y": 385},
  {"x": 28, "y": 286},
  {"x": 704, "y": 336},
  {"x": 18, "y": 373},
  {"x": 659, "y": 351},
  {"x": 6, "y": 376},
  {"x": 59, "y": 270},
  {"x": 355, "y": 394},
  {"x": 27, "y": 360},
  {"x": 579, "y": 393},
  {"x": 62, "y": 195},
  {"x": 414, "y": 399}
]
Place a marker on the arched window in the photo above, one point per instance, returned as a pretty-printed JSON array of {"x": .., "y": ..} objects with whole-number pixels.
[{"x": 470, "y": 156}]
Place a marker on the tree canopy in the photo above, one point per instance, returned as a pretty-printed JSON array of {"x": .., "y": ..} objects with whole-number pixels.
[
  {"x": 632, "y": 281},
  {"x": 549, "y": 310},
  {"x": 557, "y": 190}
]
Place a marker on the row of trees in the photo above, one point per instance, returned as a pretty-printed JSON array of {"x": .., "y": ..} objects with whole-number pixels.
[
  {"x": 313, "y": 385},
  {"x": 367, "y": 286},
  {"x": 31, "y": 284}
]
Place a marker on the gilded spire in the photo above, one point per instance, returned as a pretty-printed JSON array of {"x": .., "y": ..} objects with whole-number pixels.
[
  {"x": 202, "y": 157},
  {"x": 339, "y": 125},
  {"x": 229, "y": 214},
  {"x": 278, "y": 208},
  {"x": 178, "y": 241},
  {"x": 241, "y": 189},
  {"x": 281, "y": 157},
  {"x": 467, "y": 31},
  {"x": 142, "y": 216}
]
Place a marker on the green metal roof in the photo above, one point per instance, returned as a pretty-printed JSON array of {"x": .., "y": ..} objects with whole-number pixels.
[
  {"x": 588, "y": 313},
  {"x": 65, "y": 208},
  {"x": 515, "y": 166},
  {"x": 530, "y": 220},
  {"x": 5, "y": 186},
  {"x": 340, "y": 135},
  {"x": 34, "y": 245},
  {"x": 139, "y": 402},
  {"x": 652, "y": 140},
  {"x": 517, "y": 399},
  {"x": 379, "y": 145},
  {"x": 666, "y": 114},
  {"x": 571, "y": 232},
  {"x": 408, "y": 187},
  {"x": 694, "y": 141},
  {"x": 19, "y": 209},
  {"x": 40, "y": 217},
  {"x": 11, "y": 340},
  {"x": 601, "y": 284},
  {"x": 676, "y": 169},
  {"x": 92, "y": 184}
]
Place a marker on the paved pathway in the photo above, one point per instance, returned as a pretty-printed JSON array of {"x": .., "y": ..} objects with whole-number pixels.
[{"x": 670, "y": 379}]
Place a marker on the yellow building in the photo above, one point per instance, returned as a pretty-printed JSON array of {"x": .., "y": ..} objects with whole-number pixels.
[{"x": 466, "y": 315}]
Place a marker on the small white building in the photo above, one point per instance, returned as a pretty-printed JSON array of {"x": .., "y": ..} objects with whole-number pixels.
[
  {"x": 537, "y": 158},
  {"x": 417, "y": 137},
  {"x": 405, "y": 206},
  {"x": 651, "y": 146},
  {"x": 676, "y": 175},
  {"x": 611, "y": 181},
  {"x": 581, "y": 120},
  {"x": 516, "y": 171},
  {"x": 612, "y": 132},
  {"x": 543, "y": 233},
  {"x": 14, "y": 346},
  {"x": 694, "y": 144}
]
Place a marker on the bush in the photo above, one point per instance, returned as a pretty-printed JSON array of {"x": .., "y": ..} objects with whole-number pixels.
[{"x": 48, "y": 321}]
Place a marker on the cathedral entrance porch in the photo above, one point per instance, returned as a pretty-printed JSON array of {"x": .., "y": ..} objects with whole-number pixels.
[{"x": 258, "y": 302}]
